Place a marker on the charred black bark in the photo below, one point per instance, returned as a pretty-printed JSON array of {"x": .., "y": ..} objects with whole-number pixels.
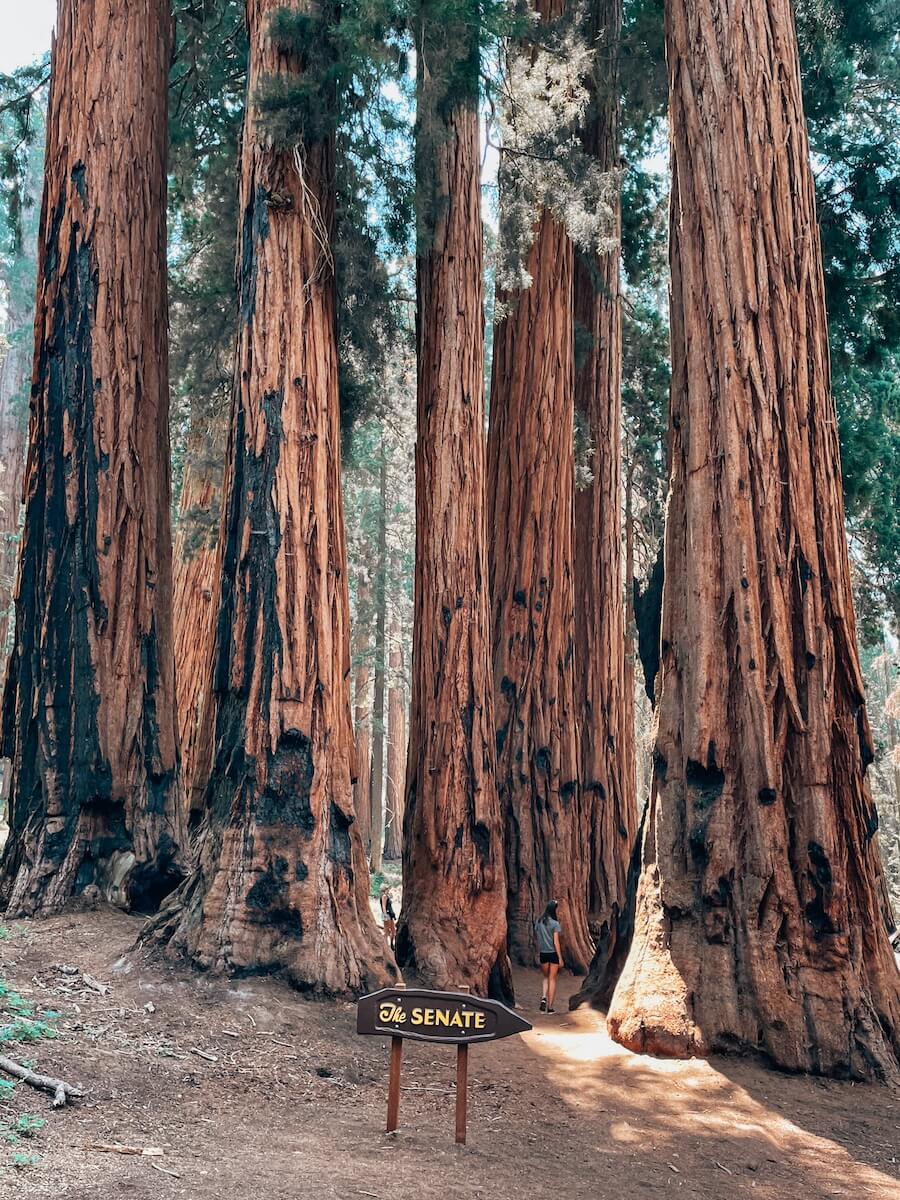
[
  {"x": 648, "y": 620},
  {"x": 64, "y": 817},
  {"x": 613, "y": 941}
]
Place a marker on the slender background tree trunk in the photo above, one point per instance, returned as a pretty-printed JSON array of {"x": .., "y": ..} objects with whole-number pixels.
[
  {"x": 453, "y": 924},
  {"x": 282, "y": 882},
  {"x": 89, "y": 705},
  {"x": 362, "y": 784},
  {"x": 759, "y": 920},
  {"x": 604, "y": 686},
  {"x": 15, "y": 379},
  {"x": 198, "y": 569}
]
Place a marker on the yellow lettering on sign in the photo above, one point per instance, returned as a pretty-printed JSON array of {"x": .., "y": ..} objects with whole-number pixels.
[{"x": 392, "y": 1013}]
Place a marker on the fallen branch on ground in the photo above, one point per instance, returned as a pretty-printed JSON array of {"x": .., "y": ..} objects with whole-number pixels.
[
  {"x": 61, "y": 1090},
  {"x": 118, "y": 1148},
  {"x": 95, "y": 984}
]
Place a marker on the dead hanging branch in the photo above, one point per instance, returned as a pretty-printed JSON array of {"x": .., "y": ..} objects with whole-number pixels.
[{"x": 62, "y": 1091}]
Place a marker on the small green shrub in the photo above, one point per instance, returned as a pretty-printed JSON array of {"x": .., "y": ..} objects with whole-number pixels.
[
  {"x": 21, "y": 1159},
  {"x": 20, "y": 1027}
]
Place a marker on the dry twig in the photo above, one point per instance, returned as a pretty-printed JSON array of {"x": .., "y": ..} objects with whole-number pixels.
[
  {"x": 119, "y": 1148},
  {"x": 61, "y": 1090}
]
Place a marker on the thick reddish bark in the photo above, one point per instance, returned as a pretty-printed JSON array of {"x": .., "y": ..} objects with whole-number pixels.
[
  {"x": 604, "y": 687},
  {"x": 396, "y": 755},
  {"x": 530, "y": 482},
  {"x": 377, "y": 785},
  {"x": 453, "y": 924},
  {"x": 282, "y": 882},
  {"x": 362, "y": 717},
  {"x": 758, "y": 921},
  {"x": 531, "y": 491},
  {"x": 89, "y": 704}
]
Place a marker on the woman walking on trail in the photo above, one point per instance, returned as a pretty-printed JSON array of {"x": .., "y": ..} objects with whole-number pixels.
[
  {"x": 388, "y": 915},
  {"x": 548, "y": 929}
]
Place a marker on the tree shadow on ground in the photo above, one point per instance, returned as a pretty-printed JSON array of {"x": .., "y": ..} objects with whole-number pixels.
[{"x": 718, "y": 1128}]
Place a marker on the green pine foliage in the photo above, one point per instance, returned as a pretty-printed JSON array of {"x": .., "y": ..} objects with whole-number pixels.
[
  {"x": 353, "y": 85},
  {"x": 206, "y": 111},
  {"x": 23, "y": 98},
  {"x": 850, "y": 52},
  {"x": 850, "y": 59},
  {"x": 541, "y": 101}
]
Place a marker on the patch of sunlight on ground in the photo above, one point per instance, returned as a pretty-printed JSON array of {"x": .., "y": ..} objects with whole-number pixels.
[{"x": 683, "y": 1097}]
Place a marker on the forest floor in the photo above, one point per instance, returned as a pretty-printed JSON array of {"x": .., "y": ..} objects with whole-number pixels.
[{"x": 245, "y": 1088}]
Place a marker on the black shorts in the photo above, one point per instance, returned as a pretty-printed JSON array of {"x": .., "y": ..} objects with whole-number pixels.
[{"x": 552, "y": 957}]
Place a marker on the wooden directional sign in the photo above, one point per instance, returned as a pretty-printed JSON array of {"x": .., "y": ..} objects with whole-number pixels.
[{"x": 453, "y": 1017}]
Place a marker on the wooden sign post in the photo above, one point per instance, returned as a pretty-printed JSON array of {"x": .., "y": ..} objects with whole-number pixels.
[
  {"x": 462, "y": 1085},
  {"x": 462, "y": 1092},
  {"x": 454, "y": 1017},
  {"x": 393, "y": 1116}
]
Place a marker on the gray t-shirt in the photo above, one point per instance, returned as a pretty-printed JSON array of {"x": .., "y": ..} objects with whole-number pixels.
[{"x": 545, "y": 931}]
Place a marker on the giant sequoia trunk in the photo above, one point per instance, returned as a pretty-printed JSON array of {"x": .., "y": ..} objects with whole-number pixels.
[
  {"x": 531, "y": 489},
  {"x": 604, "y": 688},
  {"x": 89, "y": 704},
  {"x": 530, "y": 482},
  {"x": 758, "y": 920},
  {"x": 197, "y": 571},
  {"x": 377, "y": 785},
  {"x": 282, "y": 882},
  {"x": 453, "y": 924}
]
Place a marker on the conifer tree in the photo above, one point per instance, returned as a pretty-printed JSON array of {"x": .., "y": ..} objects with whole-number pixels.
[
  {"x": 531, "y": 478},
  {"x": 282, "y": 879},
  {"x": 452, "y": 926},
  {"x": 759, "y": 916},
  {"x": 604, "y": 680}
]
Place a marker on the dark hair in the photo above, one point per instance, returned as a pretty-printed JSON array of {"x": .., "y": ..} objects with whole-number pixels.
[{"x": 549, "y": 913}]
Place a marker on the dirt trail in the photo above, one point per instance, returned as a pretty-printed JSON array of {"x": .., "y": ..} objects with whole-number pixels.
[{"x": 293, "y": 1105}]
